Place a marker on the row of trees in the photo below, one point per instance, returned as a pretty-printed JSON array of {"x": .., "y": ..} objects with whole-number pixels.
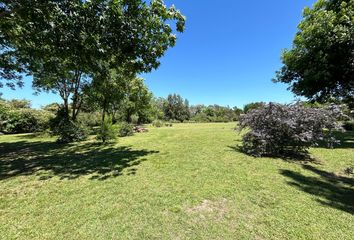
[
  {"x": 134, "y": 104},
  {"x": 176, "y": 108}
]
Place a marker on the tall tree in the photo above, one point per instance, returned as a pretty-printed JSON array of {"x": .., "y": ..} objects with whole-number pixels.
[
  {"x": 176, "y": 108},
  {"x": 108, "y": 91},
  {"x": 64, "y": 43},
  {"x": 137, "y": 100},
  {"x": 320, "y": 64}
]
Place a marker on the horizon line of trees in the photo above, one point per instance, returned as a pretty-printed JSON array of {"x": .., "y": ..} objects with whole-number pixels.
[{"x": 135, "y": 107}]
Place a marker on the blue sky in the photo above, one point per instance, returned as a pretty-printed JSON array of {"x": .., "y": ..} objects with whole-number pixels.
[{"x": 228, "y": 54}]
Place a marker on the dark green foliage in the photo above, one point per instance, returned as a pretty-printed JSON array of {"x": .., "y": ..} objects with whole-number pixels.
[
  {"x": 125, "y": 98},
  {"x": 320, "y": 63},
  {"x": 64, "y": 44},
  {"x": 176, "y": 108},
  {"x": 70, "y": 131},
  {"x": 16, "y": 116},
  {"x": 66, "y": 129},
  {"x": 125, "y": 129},
  {"x": 108, "y": 131},
  {"x": 27, "y": 121},
  {"x": 348, "y": 125},
  {"x": 280, "y": 130},
  {"x": 137, "y": 102},
  {"x": 90, "y": 119}
]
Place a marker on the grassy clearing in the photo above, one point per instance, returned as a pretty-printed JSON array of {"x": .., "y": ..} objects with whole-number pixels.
[{"x": 185, "y": 182}]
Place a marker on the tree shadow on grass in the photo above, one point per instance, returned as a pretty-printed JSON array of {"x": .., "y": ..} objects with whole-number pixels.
[
  {"x": 49, "y": 159},
  {"x": 346, "y": 139},
  {"x": 289, "y": 156},
  {"x": 332, "y": 190}
]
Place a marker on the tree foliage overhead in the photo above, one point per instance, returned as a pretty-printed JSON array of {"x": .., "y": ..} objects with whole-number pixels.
[
  {"x": 63, "y": 43},
  {"x": 320, "y": 64}
]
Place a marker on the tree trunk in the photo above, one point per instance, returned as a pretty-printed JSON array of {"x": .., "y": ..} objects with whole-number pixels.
[
  {"x": 104, "y": 110},
  {"x": 66, "y": 107},
  {"x": 76, "y": 105}
]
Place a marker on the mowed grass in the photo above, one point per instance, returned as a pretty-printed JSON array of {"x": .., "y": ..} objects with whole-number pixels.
[{"x": 184, "y": 182}]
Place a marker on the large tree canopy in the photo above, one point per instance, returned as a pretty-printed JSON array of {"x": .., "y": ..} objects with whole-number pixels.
[
  {"x": 320, "y": 64},
  {"x": 62, "y": 44}
]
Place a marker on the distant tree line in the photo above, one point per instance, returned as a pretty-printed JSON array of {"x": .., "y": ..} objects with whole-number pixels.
[
  {"x": 134, "y": 105},
  {"x": 176, "y": 108}
]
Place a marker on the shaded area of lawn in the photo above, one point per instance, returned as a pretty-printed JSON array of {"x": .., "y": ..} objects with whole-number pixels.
[
  {"x": 330, "y": 189},
  {"x": 346, "y": 139},
  {"x": 48, "y": 159},
  {"x": 333, "y": 190}
]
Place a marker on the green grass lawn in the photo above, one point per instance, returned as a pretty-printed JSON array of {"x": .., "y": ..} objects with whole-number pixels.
[{"x": 184, "y": 182}]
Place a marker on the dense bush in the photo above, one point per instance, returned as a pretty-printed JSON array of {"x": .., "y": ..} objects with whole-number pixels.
[
  {"x": 17, "y": 117},
  {"x": 157, "y": 123},
  {"x": 66, "y": 129},
  {"x": 92, "y": 119},
  {"x": 279, "y": 129},
  {"x": 70, "y": 131},
  {"x": 27, "y": 121},
  {"x": 108, "y": 131},
  {"x": 349, "y": 125},
  {"x": 125, "y": 129}
]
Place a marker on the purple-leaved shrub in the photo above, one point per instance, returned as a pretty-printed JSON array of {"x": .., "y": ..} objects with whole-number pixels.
[{"x": 280, "y": 130}]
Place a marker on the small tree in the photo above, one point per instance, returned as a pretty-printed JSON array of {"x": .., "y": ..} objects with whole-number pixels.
[
  {"x": 278, "y": 130},
  {"x": 66, "y": 129},
  {"x": 108, "y": 131},
  {"x": 137, "y": 100}
]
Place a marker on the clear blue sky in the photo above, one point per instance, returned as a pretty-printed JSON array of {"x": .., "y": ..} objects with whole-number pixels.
[{"x": 228, "y": 54}]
